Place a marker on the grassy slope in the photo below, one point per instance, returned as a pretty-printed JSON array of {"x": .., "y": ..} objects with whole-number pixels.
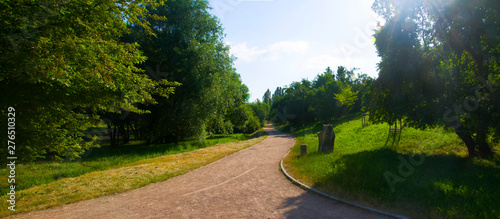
[
  {"x": 123, "y": 171},
  {"x": 440, "y": 182}
]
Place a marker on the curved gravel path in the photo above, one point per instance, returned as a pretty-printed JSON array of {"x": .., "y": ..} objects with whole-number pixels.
[{"x": 247, "y": 184}]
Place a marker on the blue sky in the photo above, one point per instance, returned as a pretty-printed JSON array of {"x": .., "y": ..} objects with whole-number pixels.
[{"x": 280, "y": 41}]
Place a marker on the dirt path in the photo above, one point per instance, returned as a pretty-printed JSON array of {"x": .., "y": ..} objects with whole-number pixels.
[{"x": 247, "y": 184}]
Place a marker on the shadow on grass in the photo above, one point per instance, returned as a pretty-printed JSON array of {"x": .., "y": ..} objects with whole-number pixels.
[
  {"x": 392, "y": 140},
  {"x": 140, "y": 148},
  {"x": 438, "y": 185}
]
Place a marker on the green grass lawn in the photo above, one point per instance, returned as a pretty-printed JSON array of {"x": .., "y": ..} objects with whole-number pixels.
[
  {"x": 46, "y": 184},
  {"x": 418, "y": 173},
  {"x": 103, "y": 158},
  {"x": 115, "y": 177}
]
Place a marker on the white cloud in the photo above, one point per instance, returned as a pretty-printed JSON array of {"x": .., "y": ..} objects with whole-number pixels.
[
  {"x": 245, "y": 53},
  {"x": 272, "y": 52}
]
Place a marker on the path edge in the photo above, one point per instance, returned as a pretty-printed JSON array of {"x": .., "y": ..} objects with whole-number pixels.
[{"x": 308, "y": 188}]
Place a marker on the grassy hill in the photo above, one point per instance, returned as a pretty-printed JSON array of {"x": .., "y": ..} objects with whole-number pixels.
[{"x": 418, "y": 173}]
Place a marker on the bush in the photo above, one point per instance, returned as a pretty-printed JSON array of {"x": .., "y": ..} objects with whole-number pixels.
[{"x": 252, "y": 124}]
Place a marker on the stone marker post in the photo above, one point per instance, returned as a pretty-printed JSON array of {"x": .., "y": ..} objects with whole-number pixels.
[
  {"x": 303, "y": 149},
  {"x": 326, "y": 139}
]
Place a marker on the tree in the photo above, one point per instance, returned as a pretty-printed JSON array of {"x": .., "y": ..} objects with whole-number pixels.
[
  {"x": 347, "y": 97},
  {"x": 321, "y": 99},
  {"x": 189, "y": 48},
  {"x": 472, "y": 41},
  {"x": 445, "y": 53},
  {"x": 277, "y": 94},
  {"x": 62, "y": 64},
  {"x": 323, "y": 79},
  {"x": 396, "y": 86},
  {"x": 261, "y": 110},
  {"x": 344, "y": 75},
  {"x": 289, "y": 105},
  {"x": 322, "y": 103},
  {"x": 267, "y": 97},
  {"x": 244, "y": 119}
]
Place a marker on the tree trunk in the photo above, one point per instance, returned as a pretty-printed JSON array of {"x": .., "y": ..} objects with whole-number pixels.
[
  {"x": 124, "y": 133},
  {"x": 114, "y": 138},
  {"x": 127, "y": 127},
  {"x": 467, "y": 139},
  {"x": 484, "y": 148},
  {"x": 136, "y": 132},
  {"x": 111, "y": 134}
]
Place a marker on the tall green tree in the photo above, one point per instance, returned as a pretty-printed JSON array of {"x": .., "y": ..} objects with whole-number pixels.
[
  {"x": 398, "y": 45},
  {"x": 267, "y": 97},
  {"x": 322, "y": 103},
  {"x": 277, "y": 94},
  {"x": 62, "y": 63},
  {"x": 344, "y": 75},
  {"x": 445, "y": 53},
  {"x": 363, "y": 84},
  {"x": 188, "y": 48}
]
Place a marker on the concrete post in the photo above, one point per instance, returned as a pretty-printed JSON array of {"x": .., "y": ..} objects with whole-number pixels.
[{"x": 303, "y": 149}]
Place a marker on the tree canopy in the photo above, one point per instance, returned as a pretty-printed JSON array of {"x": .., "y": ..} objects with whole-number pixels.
[
  {"x": 188, "y": 48},
  {"x": 68, "y": 65},
  {"x": 62, "y": 62},
  {"x": 440, "y": 65},
  {"x": 330, "y": 96}
]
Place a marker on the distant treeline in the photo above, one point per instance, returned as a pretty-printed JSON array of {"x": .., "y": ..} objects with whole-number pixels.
[{"x": 330, "y": 96}]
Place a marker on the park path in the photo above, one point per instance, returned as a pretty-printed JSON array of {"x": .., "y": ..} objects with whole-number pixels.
[{"x": 247, "y": 184}]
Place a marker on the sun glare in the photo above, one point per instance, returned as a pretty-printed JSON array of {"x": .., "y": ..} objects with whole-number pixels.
[{"x": 381, "y": 23}]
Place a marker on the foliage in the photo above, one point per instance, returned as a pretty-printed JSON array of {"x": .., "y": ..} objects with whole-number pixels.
[
  {"x": 189, "y": 48},
  {"x": 343, "y": 75},
  {"x": 267, "y": 97},
  {"x": 62, "y": 63},
  {"x": 328, "y": 97},
  {"x": 347, "y": 97},
  {"x": 439, "y": 65},
  {"x": 323, "y": 105},
  {"x": 244, "y": 119},
  {"x": 83, "y": 62},
  {"x": 261, "y": 110}
]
